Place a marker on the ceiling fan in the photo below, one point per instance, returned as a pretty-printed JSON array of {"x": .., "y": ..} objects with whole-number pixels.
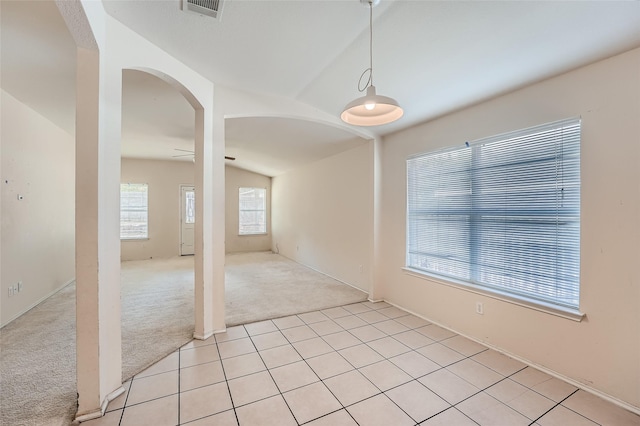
[{"x": 192, "y": 154}]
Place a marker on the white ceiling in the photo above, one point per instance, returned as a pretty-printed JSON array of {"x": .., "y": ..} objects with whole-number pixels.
[{"x": 434, "y": 57}]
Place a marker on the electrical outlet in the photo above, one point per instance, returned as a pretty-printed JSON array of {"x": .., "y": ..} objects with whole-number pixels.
[
  {"x": 19, "y": 286},
  {"x": 479, "y": 308},
  {"x": 10, "y": 291}
]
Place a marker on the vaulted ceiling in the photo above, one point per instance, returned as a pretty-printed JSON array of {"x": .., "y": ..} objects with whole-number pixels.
[{"x": 434, "y": 57}]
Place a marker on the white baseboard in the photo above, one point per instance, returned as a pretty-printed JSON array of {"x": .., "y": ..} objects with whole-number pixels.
[
  {"x": 203, "y": 336},
  {"x": 325, "y": 274},
  {"x": 88, "y": 416},
  {"x": 36, "y": 303},
  {"x": 530, "y": 363},
  {"x": 96, "y": 414}
]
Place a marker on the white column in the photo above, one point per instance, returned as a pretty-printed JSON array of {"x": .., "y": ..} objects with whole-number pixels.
[
  {"x": 209, "y": 227},
  {"x": 99, "y": 363},
  {"x": 218, "y": 216},
  {"x": 376, "y": 290}
]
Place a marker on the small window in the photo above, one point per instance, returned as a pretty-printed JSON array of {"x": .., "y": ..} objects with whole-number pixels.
[
  {"x": 501, "y": 214},
  {"x": 253, "y": 211},
  {"x": 190, "y": 207},
  {"x": 134, "y": 215}
]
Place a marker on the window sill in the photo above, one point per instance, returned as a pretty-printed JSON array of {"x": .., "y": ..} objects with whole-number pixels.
[
  {"x": 134, "y": 239},
  {"x": 571, "y": 314},
  {"x": 253, "y": 235}
]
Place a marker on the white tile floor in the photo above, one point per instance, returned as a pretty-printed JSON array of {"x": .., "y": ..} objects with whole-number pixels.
[{"x": 361, "y": 364}]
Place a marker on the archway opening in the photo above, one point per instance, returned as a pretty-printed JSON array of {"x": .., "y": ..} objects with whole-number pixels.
[{"x": 156, "y": 220}]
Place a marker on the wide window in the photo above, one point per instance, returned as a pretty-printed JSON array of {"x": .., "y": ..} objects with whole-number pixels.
[
  {"x": 501, "y": 214},
  {"x": 253, "y": 211},
  {"x": 134, "y": 214}
]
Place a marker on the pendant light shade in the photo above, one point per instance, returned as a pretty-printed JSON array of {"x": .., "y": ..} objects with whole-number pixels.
[{"x": 371, "y": 109}]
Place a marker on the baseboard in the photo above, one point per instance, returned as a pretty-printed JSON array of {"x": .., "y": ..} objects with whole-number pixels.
[
  {"x": 113, "y": 395},
  {"x": 579, "y": 385},
  {"x": 36, "y": 303},
  {"x": 203, "y": 336},
  {"x": 103, "y": 407},
  {"x": 88, "y": 416},
  {"x": 325, "y": 274}
]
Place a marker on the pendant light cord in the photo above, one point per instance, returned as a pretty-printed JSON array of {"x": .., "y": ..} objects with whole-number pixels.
[
  {"x": 371, "y": 41},
  {"x": 370, "y": 69}
]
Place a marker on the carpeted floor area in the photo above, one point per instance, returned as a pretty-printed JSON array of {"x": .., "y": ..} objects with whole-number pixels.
[
  {"x": 37, "y": 350},
  {"x": 265, "y": 285}
]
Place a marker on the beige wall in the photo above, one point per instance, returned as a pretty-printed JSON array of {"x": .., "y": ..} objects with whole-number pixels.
[
  {"x": 38, "y": 248},
  {"x": 164, "y": 179},
  {"x": 236, "y": 178},
  {"x": 323, "y": 215},
  {"x": 603, "y": 351}
]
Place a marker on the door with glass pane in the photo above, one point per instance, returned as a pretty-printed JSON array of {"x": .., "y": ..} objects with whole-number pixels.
[{"x": 187, "y": 219}]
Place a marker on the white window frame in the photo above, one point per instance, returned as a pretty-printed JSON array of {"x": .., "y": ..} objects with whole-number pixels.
[
  {"x": 139, "y": 205},
  {"x": 252, "y": 211},
  {"x": 448, "y": 192}
]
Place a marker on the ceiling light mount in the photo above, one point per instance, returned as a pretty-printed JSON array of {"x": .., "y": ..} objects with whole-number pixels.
[
  {"x": 372, "y": 3},
  {"x": 371, "y": 109}
]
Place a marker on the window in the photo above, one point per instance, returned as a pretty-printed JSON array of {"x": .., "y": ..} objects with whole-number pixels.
[
  {"x": 253, "y": 211},
  {"x": 190, "y": 207},
  {"x": 134, "y": 211},
  {"x": 501, "y": 214}
]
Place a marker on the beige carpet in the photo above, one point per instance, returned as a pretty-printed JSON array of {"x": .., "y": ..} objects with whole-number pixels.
[
  {"x": 264, "y": 285},
  {"x": 157, "y": 310},
  {"x": 37, "y": 350}
]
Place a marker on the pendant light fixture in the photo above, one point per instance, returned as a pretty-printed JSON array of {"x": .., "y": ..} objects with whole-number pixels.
[{"x": 372, "y": 109}]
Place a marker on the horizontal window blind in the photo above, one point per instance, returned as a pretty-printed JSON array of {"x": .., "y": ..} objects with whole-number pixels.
[
  {"x": 502, "y": 213},
  {"x": 134, "y": 212},
  {"x": 253, "y": 206}
]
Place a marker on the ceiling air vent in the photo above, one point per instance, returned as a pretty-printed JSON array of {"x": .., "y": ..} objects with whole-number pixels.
[{"x": 211, "y": 8}]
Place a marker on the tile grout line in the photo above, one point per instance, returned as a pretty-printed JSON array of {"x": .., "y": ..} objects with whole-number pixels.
[
  {"x": 224, "y": 373},
  {"x": 560, "y": 403},
  {"x": 354, "y": 367},
  {"x": 381, "y": 392},
  {"x": 472, "y": 395},
  {"x": 124, "y": 405},
  {"x": 319, "y": 378},
  {"x": 387, "y": 359},
  {"x": 271, "y": 375},
  {"x": 527, "y": 387},
  {"x": 179, "y": 371},
  {"x": 314, "y": 372}
]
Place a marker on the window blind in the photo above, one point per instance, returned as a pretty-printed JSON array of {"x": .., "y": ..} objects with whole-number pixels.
[
  {"x": 252, "y": 207},
  {"x": 502, "y": 213},
  {"x": 134, "y": 211}
]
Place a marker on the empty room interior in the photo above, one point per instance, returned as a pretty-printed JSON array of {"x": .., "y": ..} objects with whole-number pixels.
[{"x": 350, "y": 212}]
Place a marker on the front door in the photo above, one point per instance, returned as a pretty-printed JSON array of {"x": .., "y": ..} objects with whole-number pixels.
[{"x": 187, "y": 219}]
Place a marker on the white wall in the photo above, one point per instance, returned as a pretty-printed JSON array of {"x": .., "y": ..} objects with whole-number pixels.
[
  {"x": 38, "y": 248},
  {"x": 234, "y": 179},
  {"x": 323, "y": 215},
  {"x": 603, "y": 351},
  {"x": 164, "y": 179}
]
